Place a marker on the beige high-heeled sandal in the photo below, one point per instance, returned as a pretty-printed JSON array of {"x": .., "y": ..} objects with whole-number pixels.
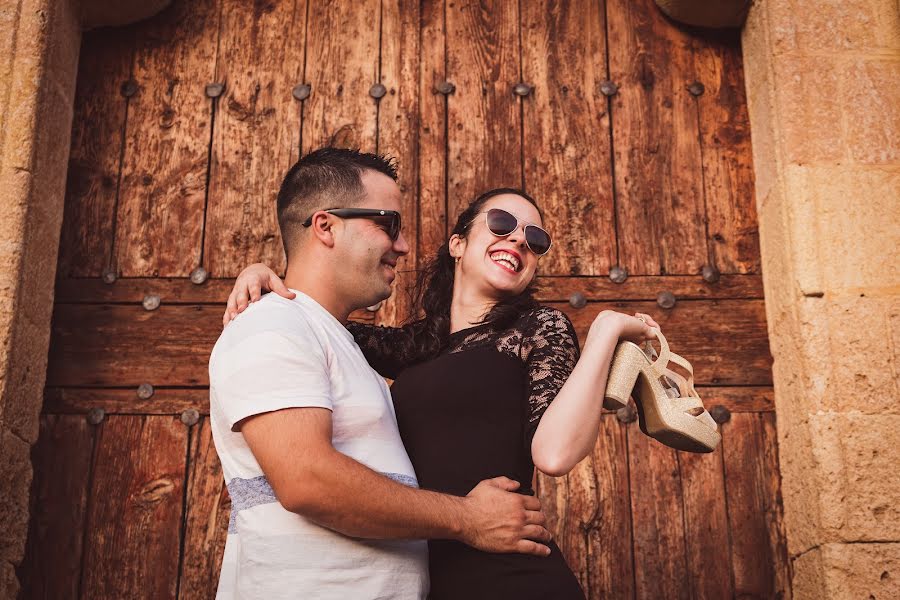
[{"x": 669, "y": 408}]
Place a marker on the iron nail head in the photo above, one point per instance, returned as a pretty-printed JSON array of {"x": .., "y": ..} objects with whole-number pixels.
[
  {"x": 665, "y": 299},
  {"x": 577, "y": 300},
  {"x": 214, "y": 90},
  {"x": 145, "y": 391},
  {"x": 151, "y": 302},
  {"x": 696, "y": 88},
  {"x": 377, "y": 91},
  {"x": 301, "y": 91},
  {"x": 190, "y": 417},
  {"x": 199, "y": 276},
  {"x": 627, "y": 414},
  {"x": 720, "y": 414},
  {"x": 522, "y": 89},
  {"x": 446, "y": 88},
  {"x": 608, "y": 88},
  {"x": 129, "y": 88},
  {"x": 710, "y": 274},
  {"x": 95, "y": 416},
  {"x": 618, "y": 275}
]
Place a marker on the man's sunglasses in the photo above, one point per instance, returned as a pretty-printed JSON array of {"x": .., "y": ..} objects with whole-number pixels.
[
  {"x": 389, "y": 220},
  {"x": 502, "y": 224}
]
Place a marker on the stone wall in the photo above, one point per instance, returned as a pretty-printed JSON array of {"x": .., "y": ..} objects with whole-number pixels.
[
  {"x": 39, "y": 43},
  {"x": 823, "y": 86}
]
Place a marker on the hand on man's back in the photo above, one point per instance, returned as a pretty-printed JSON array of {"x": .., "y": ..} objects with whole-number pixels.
[{"x": 500, "y": 520}]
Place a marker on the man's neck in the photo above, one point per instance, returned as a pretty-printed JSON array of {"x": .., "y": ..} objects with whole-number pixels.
[{"x": 319, "y": 288}]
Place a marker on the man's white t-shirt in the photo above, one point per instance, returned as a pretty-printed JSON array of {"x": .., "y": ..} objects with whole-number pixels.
[{"x": 282, "y": 354}]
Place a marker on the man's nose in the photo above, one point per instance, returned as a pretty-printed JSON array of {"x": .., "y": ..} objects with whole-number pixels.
[{"x": 401, "y": 246}]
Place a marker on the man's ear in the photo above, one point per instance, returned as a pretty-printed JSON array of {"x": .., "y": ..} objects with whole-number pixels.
[
  {"x": 457, "y": 245},
  {"x": 322, "y": 227}
]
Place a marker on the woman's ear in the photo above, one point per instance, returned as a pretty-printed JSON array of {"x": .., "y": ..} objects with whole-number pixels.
[{"x": 457, "y": 245}]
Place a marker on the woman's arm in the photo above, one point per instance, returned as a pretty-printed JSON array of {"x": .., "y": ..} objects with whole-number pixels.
[
  {"x": 388, "y": 349},
  {"x": 567, "y": 430}
]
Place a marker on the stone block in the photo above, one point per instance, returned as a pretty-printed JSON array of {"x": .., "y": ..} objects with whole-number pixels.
[
  {"x": 862, "y": 361},
  {"x": 15, "y": 485},
  {"x": 808, "y": 107},
  {"x": 844, "y": 227},
  {"x": 848, "y": 571},
  {"x": 9, "y": 584},
  {"x": 856, "y": 459},
  {"x": 834, "y": 25},
  {"x": 871, "y": 92},
  {"x": 860, "y": 227}
]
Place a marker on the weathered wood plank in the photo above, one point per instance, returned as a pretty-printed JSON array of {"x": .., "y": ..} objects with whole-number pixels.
[
  {"x": 659, "y": 196},
  {"x": 397, "y": 136},
  {"x": 208, "y": 511},
  {"x": 706, "y": 525},
  {"x": 484, "y": 116},
  {"x": 567, "y": 133},
  {"x": 727, "y": 157},
  {"x": 589, "y": 514},
  {"x": 433, "y": 110},
  {"x": 61, "y": 458},
  {"x": 759, "y": 556},
  {"x": 560, "y": 289},
  {"x": 257, "y": 129},
  {"x": 163, "y": 191},
  {"x": 341, "y": 66},
  {"x": 174, "y": 401},
  {"x": 113, "y": 345},
  {"x": 98, "y": 122},
  {"x": 134, "y": 522},
  {"x": 725, "y": 340},
  {"x": 125, "y": 345},
  {"x": 660, "y": 562}
]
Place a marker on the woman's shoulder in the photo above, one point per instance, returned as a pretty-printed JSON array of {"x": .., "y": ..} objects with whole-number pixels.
[{"x": 545, "y": 317}]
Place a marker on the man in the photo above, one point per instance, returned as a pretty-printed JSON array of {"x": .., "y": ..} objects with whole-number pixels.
[{"x": 324, "y": 499}]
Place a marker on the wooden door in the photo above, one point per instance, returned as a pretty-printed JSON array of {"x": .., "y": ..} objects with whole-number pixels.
[{"x": 633, "y": 135}]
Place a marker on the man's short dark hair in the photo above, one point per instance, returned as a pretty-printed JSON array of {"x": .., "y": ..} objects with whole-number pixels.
[{"x": 325, "y": 178}]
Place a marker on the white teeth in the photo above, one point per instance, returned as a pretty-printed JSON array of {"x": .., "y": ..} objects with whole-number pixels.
[{"x": 505, "y": 257}]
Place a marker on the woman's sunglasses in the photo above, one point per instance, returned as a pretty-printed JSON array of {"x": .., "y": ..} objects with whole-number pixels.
[
  {"x": 389, "y": 220},
  {"x": 502, "y": 224}
]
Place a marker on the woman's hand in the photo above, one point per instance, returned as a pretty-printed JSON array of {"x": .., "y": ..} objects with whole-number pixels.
[
  {"x": 629, "y": 328},
  {"x": 249, "y": 286}
]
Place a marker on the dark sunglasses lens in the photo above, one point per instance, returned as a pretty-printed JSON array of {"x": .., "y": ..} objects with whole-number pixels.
[
  {"x": 538, "y": 239},
  {"x": 390, "y": 223},
  {"x": 501, "y": 222}
]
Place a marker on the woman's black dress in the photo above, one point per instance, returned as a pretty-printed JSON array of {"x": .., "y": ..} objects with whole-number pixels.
[{"x": 470, "y": 414}]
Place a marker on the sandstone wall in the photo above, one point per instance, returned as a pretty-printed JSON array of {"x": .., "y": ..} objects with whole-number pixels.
[{"x": 823, "y": 83}]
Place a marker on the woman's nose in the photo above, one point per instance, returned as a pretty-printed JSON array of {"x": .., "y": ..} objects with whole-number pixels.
[{"x": 518, "y": 236}]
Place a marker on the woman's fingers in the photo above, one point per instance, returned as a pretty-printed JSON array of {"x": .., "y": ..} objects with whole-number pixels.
[
  {"x": 255, "y": 291},
  {"x": 277, "y": 286},
  {"x": 243, "y": 298}
]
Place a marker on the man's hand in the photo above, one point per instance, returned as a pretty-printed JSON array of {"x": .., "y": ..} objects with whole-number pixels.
[{"x": 500, "y": 520}]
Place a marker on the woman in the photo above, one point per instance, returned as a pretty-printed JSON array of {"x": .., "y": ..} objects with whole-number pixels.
[{"x": 488, "y": 383}]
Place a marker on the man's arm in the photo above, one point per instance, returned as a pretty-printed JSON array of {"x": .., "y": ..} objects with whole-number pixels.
[{"x": 293, "y": 448}]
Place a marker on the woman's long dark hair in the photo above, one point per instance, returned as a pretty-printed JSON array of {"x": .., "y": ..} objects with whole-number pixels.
[{"x": 433, "y": 292}]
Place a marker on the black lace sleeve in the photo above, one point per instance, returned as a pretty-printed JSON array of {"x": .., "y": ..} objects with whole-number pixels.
[
  {"x": 388, "y": 349},
  {"x": 549, "y": 351}
]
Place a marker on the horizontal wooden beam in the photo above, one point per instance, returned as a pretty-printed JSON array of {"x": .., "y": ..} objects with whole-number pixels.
[
  {"x": 215, "y": 291},
  {"x": 111, "y": 345},
  {"x": 174, "y": 401}
]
